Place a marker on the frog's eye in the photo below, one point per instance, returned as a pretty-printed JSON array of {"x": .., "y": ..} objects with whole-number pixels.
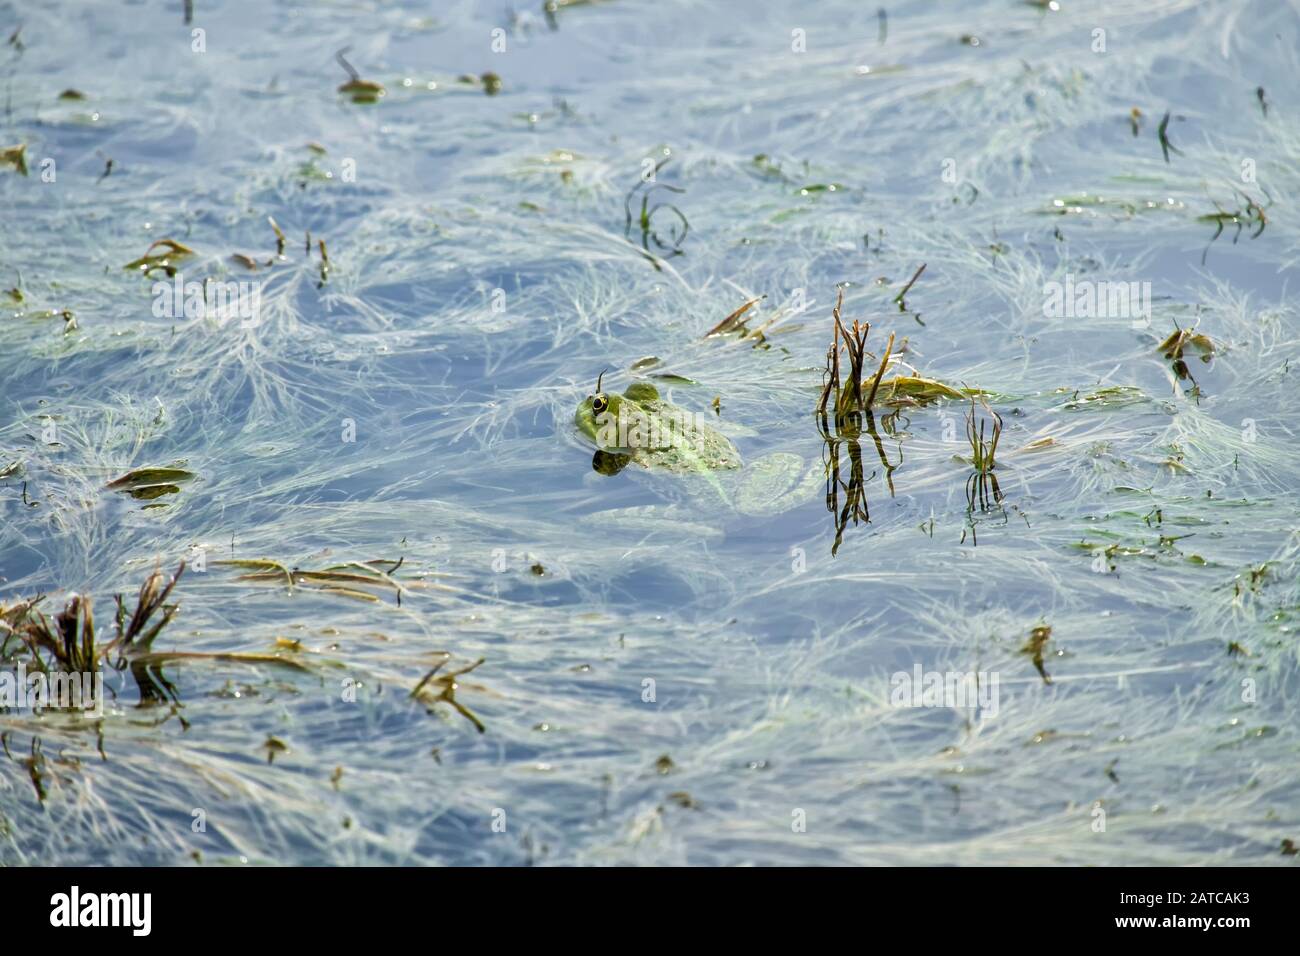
[{"x": 599, "y": 403}]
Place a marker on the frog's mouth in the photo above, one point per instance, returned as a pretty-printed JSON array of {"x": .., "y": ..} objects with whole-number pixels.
[
  {"x": 607, "y": 462},
  {"x": 585, "y": 420},
  {"x": 596, "y": 427}
]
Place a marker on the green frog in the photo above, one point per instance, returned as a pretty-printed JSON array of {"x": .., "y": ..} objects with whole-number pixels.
[{"x": 640, "y": 428}]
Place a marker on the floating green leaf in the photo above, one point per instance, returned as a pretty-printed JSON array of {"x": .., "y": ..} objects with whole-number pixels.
[
  {"x": 146, "y": 484},
  {"x": 168, "y": 251}
]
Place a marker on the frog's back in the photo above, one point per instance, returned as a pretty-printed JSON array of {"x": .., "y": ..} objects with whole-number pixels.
[{"x": 685, "y": 443}]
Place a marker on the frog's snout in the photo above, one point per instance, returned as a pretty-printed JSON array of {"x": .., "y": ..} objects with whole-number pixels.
[{"x": 585, "y": 419}]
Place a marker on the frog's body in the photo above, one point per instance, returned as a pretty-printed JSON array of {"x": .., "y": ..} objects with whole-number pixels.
[
  {"x": 640, "y": 428},
  {"x": 644, "y": 429}
]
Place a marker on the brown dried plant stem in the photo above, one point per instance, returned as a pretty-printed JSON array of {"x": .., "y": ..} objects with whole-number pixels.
[{"x": 849, "y": 395}]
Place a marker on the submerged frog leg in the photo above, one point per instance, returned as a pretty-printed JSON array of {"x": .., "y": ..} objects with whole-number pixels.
[{"x": 609, "y": 463}]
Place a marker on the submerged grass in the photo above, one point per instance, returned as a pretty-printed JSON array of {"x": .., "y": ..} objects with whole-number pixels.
[
  {"x": 357, "y": 580},
  {"x": 69, "y": 643},
  {"x": 645, "y": 189}
]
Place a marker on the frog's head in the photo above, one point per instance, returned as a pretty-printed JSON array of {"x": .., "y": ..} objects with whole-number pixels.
[
  {"x": 601, "y": 411},
  {"x": 592, "y": 412}
]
